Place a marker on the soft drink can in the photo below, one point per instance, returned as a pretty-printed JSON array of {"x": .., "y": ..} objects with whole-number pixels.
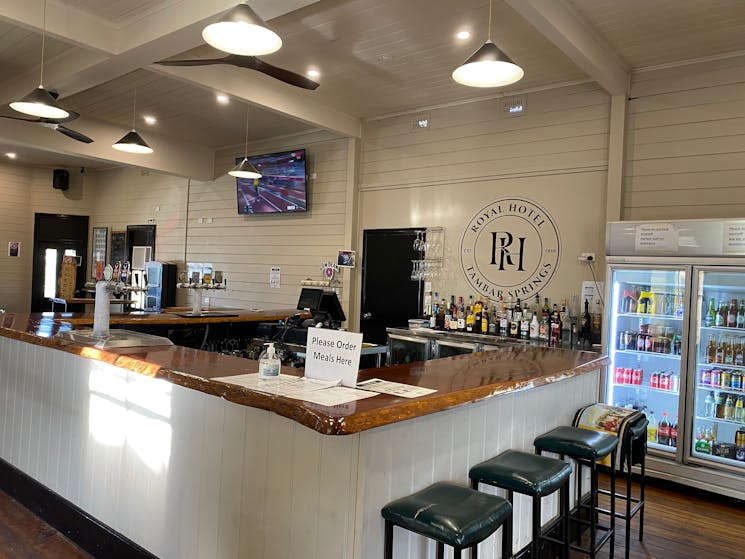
[
  {"x": 674, "y": 383},
  {"x": 654, "y": 381},
  {"x": 705, "y": 377},
  {"x": 725, "y": 378},
  {"x": 736, "y": 381},
  {"x": 628, "y": 375},
  {"x": 618, "y": 376},
  {"x": 715, "y": 377},
  {"x": 665, "y": 381},
  {"x": 637, "y": 376},
  {"x": 622, "y": 341}
]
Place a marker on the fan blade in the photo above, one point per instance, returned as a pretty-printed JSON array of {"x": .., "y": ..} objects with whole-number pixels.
[
  {"x": 285, "y": 75},
  {"x": 72, "y": 116},
  {"x": 197, "y": 62},
  {"x": 19, "y": 118},
  {"x": 74, "y": 134}
]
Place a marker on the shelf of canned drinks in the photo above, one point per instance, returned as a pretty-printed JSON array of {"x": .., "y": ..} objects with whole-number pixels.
[
  {"x": 659, "y": 381},
  {"x": 726, "y": 378},
  {"x": 646, "y": 315},
  {"x": 649, "y": 354}
]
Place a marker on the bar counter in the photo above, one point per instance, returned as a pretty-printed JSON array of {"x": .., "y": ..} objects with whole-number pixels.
[{"x": 145, "y": 441}]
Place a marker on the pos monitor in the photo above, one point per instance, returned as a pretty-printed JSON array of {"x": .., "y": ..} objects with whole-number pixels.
[
  {"x": 332, "y": 307},
  {"x": 310, "y": 299}
]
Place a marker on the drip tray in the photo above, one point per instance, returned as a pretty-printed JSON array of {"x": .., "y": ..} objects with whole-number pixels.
[{"x": 116, "y": 338}]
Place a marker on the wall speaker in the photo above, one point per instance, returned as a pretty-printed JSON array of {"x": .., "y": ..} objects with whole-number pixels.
[{"x": 61, "y": 179}]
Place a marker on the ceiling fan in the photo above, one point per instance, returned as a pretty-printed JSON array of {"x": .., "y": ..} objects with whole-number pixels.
[
  {"x": 251, "y": 63},
  {"x": 57, "y": 124}
]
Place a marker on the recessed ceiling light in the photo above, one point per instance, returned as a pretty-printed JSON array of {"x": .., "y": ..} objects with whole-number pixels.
[
  {"x": 150, "y": 119},
  {"x": 463, "y": 35},
  {"x": 313, "y": 73},
  {"x": 222, "y": 99},
  {"x": 11, "y": 155}
]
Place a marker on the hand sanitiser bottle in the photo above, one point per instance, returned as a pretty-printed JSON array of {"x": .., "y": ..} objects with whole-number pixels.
[{"x": 269, "y": 363}]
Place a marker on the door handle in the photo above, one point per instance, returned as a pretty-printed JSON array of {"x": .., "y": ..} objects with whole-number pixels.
[{"x": 367, "y": 315}]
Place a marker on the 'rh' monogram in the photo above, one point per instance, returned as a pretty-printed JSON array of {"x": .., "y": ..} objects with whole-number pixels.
[{"x": 505, "y": 242}]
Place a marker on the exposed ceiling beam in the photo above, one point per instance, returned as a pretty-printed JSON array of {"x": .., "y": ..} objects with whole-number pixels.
[
  {"x": 268, "y": 93},
  {"x": 175, "y": 158},
  {"x": 562, "y": 25}
]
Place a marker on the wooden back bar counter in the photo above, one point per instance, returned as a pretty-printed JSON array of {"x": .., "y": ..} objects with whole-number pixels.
[{"x": 145, "y": 441}]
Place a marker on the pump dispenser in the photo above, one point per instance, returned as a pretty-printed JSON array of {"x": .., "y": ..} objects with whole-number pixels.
[{"x": 269, "y": 363}]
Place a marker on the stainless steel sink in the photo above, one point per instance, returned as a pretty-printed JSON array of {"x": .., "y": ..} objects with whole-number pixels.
[{"x": 116, "y": 338}]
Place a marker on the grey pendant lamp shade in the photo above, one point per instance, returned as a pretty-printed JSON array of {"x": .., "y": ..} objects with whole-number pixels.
[
  {"x": 488, "y": 66},
  {"x": 244, "y": 169},
  {"x": 132, "y": 142},
  {"x": 242, "y": 31},
  {"x": 40, "y": 102}
]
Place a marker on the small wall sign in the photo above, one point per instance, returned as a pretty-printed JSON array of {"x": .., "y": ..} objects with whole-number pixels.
[
  {"x": 14, "y": 248},
  {"x": 510, "y": 248}
]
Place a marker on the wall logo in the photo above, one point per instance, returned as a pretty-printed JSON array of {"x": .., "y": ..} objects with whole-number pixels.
[{"x": 510, "y": 249}]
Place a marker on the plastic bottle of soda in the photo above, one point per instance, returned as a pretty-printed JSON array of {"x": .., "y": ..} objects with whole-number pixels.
[
  {"x": 663, "y": 430},
  {"x": 710, "y": 409},
  {"x": 652, "y": 428},
  {"x": 673, "y": 441}
]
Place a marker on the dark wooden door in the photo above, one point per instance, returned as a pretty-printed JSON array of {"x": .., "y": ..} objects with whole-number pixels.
[
  {"x": 389, "y": 296},
  {"x": 53, "y": 235}
]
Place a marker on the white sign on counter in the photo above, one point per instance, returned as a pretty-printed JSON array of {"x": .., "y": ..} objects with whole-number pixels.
[
  {"x": 656, "y": 237},
  {"x": 333, "y": 354},
  {"x": 734, "y": 237}
]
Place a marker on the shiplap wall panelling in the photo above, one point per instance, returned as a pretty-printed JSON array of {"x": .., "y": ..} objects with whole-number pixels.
[
  {"x": 685, "y": 155},
  {"x": 563, "y": 129},
  {"x": 16, "y": 224},
  {"x": 134, "y": 196},
  {"x": 246, "y": 247}
]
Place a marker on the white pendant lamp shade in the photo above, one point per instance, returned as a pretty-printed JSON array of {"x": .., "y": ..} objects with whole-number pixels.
[
  {"x": 40, "y": 103},
  {"x": 244, "y": 170},
  {"x": 132, "y": 142},
  {"x": 243, "y": 32},
  {"x": 488, "y": 67}
]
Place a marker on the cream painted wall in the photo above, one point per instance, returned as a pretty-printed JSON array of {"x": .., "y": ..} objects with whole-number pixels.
[
  {"x": 15, "y": 273},
  {"x": 555, "y": 155},
  {"x": 685, "y": 155}
]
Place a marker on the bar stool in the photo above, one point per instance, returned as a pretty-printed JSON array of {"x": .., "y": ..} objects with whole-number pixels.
[
  {"x": 586, "y": 447},
  {"x": 450, "y": 514},
  {"x": 535, "y": 476}
]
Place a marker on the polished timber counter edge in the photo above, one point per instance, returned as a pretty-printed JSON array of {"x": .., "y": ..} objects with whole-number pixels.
[
  {"x": 187, "y": 475},
  {"x": 458, "y": 380}
]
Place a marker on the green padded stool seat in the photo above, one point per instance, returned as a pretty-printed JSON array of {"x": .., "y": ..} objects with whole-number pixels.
[
  {"x": 577, "y": 442},
  {"x": 586, "y": 447},
  {"x": 532, "y": 475},
  {"x": 449, "y": 514}
]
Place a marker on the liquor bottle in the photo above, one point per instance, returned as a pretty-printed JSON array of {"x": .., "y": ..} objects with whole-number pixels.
[
  {"x": 478, "y": 309},
  {"x": 711, "y": 314},
  {"x": 732, "y": 314},
  {"x": 721, "y": 318},
  {"x": 710, "y": 407},
  {"x": 433, "y": 316},
  {"x": 544, "y": 327},
  {"x": 651, "y": 428},
  {"x": 525, "y": 325},
  {"x": 729, "y": 408},
  {"x": 470, "y": 319},
  {"x": 740, "y": 320},
  {"x": 440, "y": 322},
  {"x": 515, "y": 316},
  {"x": 663, "y": 430},
  {"x": 534, "y": 326},
  {"x": 554, "y": 336},
  {"x": 504, "y": 323},
  {"x": 673, "y": 440},
  {"x": 493, "y": 320},
  {"x": 585, "y": 331},
  {"x": 485, "y": 318},
  {"x": 566, "y": 330},
  {"x": 461, "y": 315},
  {"x": 711, "y": 351}
]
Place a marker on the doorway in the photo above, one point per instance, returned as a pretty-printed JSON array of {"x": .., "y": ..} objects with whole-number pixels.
[
  {"x": 389, "y": 296},
  {"x": 56, "y": 235}
]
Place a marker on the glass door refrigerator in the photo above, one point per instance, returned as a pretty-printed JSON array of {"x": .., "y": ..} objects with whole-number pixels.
[{"x": 675, "y": 336}]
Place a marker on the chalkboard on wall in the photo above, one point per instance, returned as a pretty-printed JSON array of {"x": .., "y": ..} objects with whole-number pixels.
[{"x": 118, "y": 246}]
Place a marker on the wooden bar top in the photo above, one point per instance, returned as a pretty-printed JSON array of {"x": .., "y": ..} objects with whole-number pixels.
[
  {"x": 173, "y": 316},
  {"x": 458, "y": 380}
]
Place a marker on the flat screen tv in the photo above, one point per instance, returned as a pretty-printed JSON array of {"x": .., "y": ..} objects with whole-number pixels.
[{"x": 281, "y": 188}]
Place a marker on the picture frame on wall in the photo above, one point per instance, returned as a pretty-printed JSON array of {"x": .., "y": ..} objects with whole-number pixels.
[
  {"x": 100, "y": 244},
  {"x": 118, "y": 246}
]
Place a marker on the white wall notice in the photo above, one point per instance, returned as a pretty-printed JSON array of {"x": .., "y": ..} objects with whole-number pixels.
[
  {"x": 333, "y": 354},
  {"x": 275, "y": 275}
]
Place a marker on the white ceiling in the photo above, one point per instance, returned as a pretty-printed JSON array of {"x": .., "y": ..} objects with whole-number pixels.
[{"x": 377, "y": 57}]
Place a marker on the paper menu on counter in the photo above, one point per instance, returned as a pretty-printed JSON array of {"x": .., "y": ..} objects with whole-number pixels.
[
  {"x": 324, "y": 392},
  {"x": 394, "y": 388}
]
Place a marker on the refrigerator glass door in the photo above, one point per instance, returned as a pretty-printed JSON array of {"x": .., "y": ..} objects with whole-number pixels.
[
  {"x": 718, "y": 430},
  {"x": 645, "y": 342}
]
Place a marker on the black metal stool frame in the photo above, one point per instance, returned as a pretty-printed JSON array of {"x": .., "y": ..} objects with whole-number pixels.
[
  {"x": 506, "y": 542},
  {"x": 595, "y": 543}
]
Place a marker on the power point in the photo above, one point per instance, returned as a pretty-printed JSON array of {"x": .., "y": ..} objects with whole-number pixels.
[{"x": 587, "y": 257}]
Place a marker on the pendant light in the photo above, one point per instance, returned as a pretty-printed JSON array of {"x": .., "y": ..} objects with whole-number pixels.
[
  {"x": 244, "y": 169},
  {"x": 40, "y": 102},
  {"x": 488, "y": 66},
  {"x": 242, "y": 31},
  {"x": 132, "y": 142}
]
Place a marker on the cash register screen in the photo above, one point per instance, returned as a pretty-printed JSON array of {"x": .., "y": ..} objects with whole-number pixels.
[
  {"x": 330, "y": 304},
  {"x": 309, "y": 299}
]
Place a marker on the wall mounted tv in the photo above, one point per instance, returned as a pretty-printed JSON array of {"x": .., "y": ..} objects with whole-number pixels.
[{"x": 282, "y": 187}]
